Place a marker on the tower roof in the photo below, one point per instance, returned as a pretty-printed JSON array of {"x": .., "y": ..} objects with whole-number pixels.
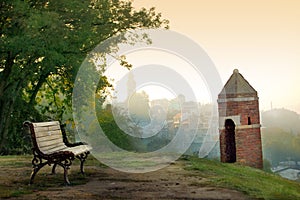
[{"x": 237, "y": 85}]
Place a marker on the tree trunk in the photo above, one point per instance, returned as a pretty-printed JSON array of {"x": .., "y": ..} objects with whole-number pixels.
[
  {"x": 13, "y": 111},
  {"x": 5, "y": 121},
  {"x": 6, "y": 104},
  {"x": 42, "y": 80},
  {"x": 10, "y": 91}
]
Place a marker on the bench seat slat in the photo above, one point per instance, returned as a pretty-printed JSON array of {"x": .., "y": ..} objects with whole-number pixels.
[
  {"x": 46, "y": 143},
  {"x": 54, "y": 146},
  {"x": 51, "y": 137},
  {"x": 48, "y": 134},
  {"x": 79, "y": 149},
  {"x": 50, "y": 131},
  {"x": 49, "y": 128},
  {"x": 47, "y": 124},
  {"x": 52, "y": 149}
]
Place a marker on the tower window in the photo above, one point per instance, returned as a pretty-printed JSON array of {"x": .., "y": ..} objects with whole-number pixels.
[{"x": 249, "y": 121}]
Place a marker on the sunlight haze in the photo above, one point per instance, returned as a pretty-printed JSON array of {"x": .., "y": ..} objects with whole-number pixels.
[{"x": 260, "y": 38}]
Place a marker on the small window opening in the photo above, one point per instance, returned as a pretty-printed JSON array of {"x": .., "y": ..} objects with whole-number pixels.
[{"x": 249, "y": 121}]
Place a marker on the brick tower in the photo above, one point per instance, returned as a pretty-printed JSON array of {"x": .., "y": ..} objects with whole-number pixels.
[{"x": 240, "y": 138}]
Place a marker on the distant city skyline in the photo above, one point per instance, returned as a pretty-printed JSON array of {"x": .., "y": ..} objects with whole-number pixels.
[{"x": 260, "y": 38}]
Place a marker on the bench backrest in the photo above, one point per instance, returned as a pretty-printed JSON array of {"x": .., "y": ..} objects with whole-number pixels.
[{"x": 48, "y": 136}]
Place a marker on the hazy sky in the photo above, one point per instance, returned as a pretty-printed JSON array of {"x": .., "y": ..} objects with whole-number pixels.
[{"x": 259, "y": 37}]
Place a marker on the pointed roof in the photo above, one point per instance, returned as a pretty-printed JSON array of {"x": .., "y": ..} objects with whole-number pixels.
[{"x": 237, "y": 85}]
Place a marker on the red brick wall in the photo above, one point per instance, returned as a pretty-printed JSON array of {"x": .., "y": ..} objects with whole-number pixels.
[
  {"x": 244, "y": 108},
  {"x": 248, "y": 147},
  {"x": 248, "y": 140}
]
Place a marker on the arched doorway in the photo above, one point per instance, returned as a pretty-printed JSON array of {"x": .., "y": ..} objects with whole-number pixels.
[{"x": 230, "y": 150}]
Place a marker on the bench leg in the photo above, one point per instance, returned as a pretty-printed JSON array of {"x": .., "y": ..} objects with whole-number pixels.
[
  {"x": 82, "y": 157},
  {"x": 53, "y": 168},
  {"x": 66, "y": 176},
  {"x": 67, "y": 182},
  {"x": 35, "y": 170}
]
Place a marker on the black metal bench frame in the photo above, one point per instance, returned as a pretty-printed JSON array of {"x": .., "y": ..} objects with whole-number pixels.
[{"x": 63, "y": 158}]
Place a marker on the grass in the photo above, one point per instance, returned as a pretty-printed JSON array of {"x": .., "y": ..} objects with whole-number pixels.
[
  {"x": 253, "y": 182},
  {"x": 257, "y": 184},
  {"x": 131, "y": 161},
  {"x": 15, "y": 175},
  {"x": 15, "y": 161}
]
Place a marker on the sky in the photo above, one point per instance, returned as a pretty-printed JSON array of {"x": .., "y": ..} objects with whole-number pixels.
[{"x": 261, "y": 38}]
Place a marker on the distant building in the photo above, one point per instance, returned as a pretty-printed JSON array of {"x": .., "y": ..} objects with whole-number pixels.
[
  {"x": 177, "y": 120},
  {"x": 188, "y": 116},
  {"x": 240, "y": 137},
  {"x": 290, "y": 173},
  {"x": 288, "y": 169}
]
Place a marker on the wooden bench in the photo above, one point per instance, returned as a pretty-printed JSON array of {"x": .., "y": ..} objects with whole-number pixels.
[{"x": 50, "y": 146}]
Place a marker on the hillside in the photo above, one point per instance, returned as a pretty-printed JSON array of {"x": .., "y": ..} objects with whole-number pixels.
[
  {"x": 252, "y": 182},
  {"x": 187, "y": 178},
  {"x": 280, "y": 136},
  {"x": 287, "y": 120}
]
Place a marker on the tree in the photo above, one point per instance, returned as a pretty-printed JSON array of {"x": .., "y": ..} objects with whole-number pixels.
[
  {"x": 279, "y": 145},
  {"x": 42, "y": 44},
  {"x": 138, "y": 106}
]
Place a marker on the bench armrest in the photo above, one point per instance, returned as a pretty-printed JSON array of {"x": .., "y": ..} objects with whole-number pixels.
[{"x": 65, "y": 138}]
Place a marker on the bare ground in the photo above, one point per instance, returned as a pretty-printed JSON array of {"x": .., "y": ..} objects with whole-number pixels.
[{"x": 172, "y": 182}]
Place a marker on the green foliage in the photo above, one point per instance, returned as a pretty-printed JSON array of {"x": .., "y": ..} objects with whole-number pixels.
[
  {"x": 112, "y": 131},
  {"x": 287, "y": 120},
  {"x": 42, "y": 45},
  {"x": 277, "y": 149},
  {"x": 280, "y": 136},
  {"x": 116, "y": 135},
  {"x": 267, "y": 165}
]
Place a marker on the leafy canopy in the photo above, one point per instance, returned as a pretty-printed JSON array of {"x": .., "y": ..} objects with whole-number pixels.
[{"x": 43, "y": 43}]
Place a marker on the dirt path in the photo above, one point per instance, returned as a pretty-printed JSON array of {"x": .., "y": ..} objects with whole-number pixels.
[{"x": 172, "y": 182}]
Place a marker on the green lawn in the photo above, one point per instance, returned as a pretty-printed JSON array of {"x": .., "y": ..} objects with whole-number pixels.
[
  {"x": 15, "y": 173},
  {"x": 253, "y": 182}
]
